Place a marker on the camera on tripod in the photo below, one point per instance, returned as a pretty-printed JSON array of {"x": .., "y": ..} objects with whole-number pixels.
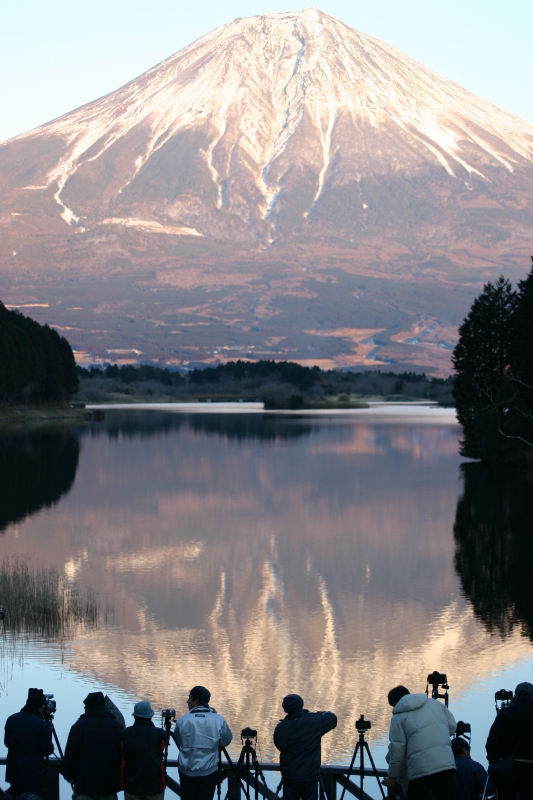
[
  {"x": 362, "y": 724},
  {"x": 50, "y": 708},
  {"x": 435, "y": 680},
  {"x": 463, "y": 728},
  {"x": 502, "y": 699},
  {"x": 463, "y": 731},
  {"x": 248, "y": 733},
  {"x": 168, "y": 716}
]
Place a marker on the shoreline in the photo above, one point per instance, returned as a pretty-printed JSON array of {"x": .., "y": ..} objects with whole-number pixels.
[
  {"x": 426, "y": 411},
  {"x": 29, "y": 415}
]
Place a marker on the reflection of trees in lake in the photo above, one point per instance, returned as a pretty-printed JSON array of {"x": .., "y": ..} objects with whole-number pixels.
[
  {"x": 37, "y": 468},
  {"x": 264, "y": 427},
  {"x": 494, "y": 546}
]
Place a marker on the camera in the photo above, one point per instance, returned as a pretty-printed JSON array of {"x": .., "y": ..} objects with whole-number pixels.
[
  {"x": 462, "y": 728},
  {"x": 502, "y": 699},
  {"x": 248, "y": 733},
  {"x": 50, "y": 707},
  {"x": 168, "y": 713},
  {"x": 362, "y": 724},
  {"x": 436, "y": 679}
]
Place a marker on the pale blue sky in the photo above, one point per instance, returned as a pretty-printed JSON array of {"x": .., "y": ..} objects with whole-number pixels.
[{"x": 56, "y": 55}]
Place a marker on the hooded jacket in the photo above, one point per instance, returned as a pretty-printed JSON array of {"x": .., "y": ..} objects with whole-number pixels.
[
  {"x": 198, "y": 735},
  {"x": 419, "y": 736},
  {"x": 92, "y": 754},
  {"x": 297, "y": 738},
  {"x": 28, "y": 739}
]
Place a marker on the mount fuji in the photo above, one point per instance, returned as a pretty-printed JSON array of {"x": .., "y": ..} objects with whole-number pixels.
[{"x": 284, "y": 187}]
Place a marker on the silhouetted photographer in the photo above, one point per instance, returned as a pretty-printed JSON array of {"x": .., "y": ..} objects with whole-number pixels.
[
  {"x": 510, "y": 746},
  {"x": 92, "y": 754},
  {"x": 142, "y": 748},
  {"x": 28, "y": 739},
  {"x": 298, "y": 738}
]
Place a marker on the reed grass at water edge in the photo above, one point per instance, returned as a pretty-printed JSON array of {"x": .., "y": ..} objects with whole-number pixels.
[{"x": 36, "y": 599}]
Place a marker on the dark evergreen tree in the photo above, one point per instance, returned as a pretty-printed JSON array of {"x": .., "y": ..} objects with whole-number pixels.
[
  {"x": 482, "y": 389},
  {"x": 36, "y": 363}
]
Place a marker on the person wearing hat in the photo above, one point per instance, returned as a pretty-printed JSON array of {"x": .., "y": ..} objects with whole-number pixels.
[
  {"x": 92, "y": 754},
  {"x": 512, "y": 734},
  {"x": 28, "y": 739},
  {"x": 199, "y": 735},
  {"x": 298, "y": 738},
  {"x": 470, "y": 776},
  {"x": 142, "y": 749}
]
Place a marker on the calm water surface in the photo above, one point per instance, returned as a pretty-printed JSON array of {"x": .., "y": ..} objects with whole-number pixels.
[{"x": 333, "y": 556}]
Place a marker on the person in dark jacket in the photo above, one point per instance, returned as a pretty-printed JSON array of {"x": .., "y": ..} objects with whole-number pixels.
[
  {"x": 92, "y": 754},
  {"x": 28, "y": 739},
  {"x": 142, "y": 747},
  {"x": 512, "y": 734},
  {"x": 298, "y": 738},
  {"x": 470, "y": 776}
]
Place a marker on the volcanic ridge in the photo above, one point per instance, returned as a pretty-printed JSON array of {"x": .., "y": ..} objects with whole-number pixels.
[{"x": 284, "y": 187}]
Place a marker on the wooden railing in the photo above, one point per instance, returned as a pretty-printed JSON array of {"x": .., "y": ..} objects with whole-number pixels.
[{"x": 234, "y": 782}]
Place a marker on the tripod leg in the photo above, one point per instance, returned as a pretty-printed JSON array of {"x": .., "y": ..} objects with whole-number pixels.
[
  {"x": 59, "y": 750},
  {"x": 350, "y": 769},
  {"x": 374, "y": 770},
  {"x": 219, "y": 782},
  {"x": 235, "y": 770},
  {"x": 259, "y": 774}
]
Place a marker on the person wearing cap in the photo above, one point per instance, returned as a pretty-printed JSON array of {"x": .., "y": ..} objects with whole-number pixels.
[
  {"x": 92, "y": 754},
  {"x": 28, "y": 739},
  {"x": 470, "y": 776},
  {"x": 512, "y": 734},
  {"x": 298, "y": 738},
  {"x": 142, "y": 749},
  {"x": 199, "y": 735}
]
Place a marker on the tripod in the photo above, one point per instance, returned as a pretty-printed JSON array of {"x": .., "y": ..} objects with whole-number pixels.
[
  {"x": 361, "y": 726},
  {"x": 49, "y": 717},
  {"x": 168, "y": 715},
  {"x": 248, "y": 764}
]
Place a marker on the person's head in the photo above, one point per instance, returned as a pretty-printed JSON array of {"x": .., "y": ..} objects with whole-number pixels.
[
  {"x": 95, "y": 701},
  {"x": 292, "y": 703},
  {"x": 460, "y": 747},
  {"x": 524, "y": 689},
  {"x": 36, "y": 699},
  {"x": 396, "y": 694},
  {"x": 198, "y": 696},
  {"x": 143, "y": 710}
]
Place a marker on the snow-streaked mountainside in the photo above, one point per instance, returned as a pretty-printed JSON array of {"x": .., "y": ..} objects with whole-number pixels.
[
  {"x": 284, "y": 136},
  {"x": 356, "y": 107}
]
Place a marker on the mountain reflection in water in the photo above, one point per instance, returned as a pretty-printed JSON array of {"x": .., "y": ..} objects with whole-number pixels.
[
  {"x": 259, "y": 556},
  {"x": 494, "y": 546}
]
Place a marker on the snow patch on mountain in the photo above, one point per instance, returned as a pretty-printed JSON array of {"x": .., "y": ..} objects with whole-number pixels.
[{"x": 247, "y": 85}]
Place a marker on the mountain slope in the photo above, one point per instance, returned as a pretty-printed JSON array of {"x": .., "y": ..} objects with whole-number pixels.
[{"x": 271, "y": 142}]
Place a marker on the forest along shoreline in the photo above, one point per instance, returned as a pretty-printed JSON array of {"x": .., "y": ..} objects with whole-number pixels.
[{"x": 278, "y": 385}]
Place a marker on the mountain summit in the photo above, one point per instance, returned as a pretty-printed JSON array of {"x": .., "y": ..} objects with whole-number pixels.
[{"x": 285, "y": 137}]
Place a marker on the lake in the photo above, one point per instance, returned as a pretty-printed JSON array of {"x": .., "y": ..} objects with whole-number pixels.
[{"x": 333, "y": 555}]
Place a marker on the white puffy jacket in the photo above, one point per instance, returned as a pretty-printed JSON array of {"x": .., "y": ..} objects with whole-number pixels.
[
  {"x": 419, "y": 736},
  {"x": 198, "y": 735}
]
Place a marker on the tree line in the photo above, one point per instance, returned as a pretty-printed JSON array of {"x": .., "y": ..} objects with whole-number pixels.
[
  {"x": 493, "y": 384},
  {"x": 36, "y": 363}
]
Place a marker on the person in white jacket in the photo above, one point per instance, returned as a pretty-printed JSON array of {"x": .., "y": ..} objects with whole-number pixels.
[
  {"x": 419, "y": 737},
  {"x": 199, "y": 734}
]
